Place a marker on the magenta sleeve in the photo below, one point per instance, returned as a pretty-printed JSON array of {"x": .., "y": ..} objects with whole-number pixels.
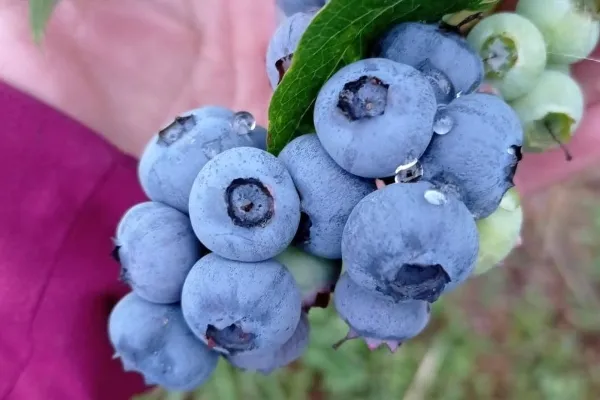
[{"x": 62, "y": 192}]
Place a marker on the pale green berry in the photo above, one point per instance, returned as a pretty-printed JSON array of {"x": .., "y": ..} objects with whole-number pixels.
[
  {"x": 513, "y": 52},
  {"x": 551, "y": 112},
  {"x": 499, "y": 233},
  {"x": 569, "y": 27}
]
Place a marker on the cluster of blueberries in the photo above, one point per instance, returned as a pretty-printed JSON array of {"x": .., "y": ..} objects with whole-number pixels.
[{"x": 236, "y": 244}]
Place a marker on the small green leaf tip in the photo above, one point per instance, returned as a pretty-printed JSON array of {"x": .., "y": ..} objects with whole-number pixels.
[
  {"x": 40, "y": 12},
  {"x": 342, "y": 32}
]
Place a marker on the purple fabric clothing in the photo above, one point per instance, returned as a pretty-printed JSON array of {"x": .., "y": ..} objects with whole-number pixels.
[{"x": 62, "y": 192}]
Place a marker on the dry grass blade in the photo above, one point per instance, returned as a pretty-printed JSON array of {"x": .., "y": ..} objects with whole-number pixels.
[{"x": 426, "y": 372}]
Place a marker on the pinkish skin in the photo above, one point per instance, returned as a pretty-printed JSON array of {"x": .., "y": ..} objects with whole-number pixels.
[
  {"x": 372, "y": 343},
  {"x": 519, "y": 242},
  {"x": 489, "y": 89}
]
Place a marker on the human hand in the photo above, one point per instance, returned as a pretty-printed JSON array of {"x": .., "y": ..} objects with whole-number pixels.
[{"x": 125, "y": 67}]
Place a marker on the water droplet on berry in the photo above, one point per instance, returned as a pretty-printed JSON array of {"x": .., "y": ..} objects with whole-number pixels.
[
  {"x": 443, "y": 123},
  {"x": 243, "y": 122},
  {"x": 458, "y": 94},
  {"x": 435, "y": 197},
  {"x": 410, "y": 172}
]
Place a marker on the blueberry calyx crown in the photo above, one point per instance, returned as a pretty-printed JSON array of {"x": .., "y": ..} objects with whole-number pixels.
[
  {"x": 176, "y": 129},
  {"x": 249, "y": 203},
  {"x": 231, "y": 338},
  {"x": 417, "y": 282},
  {"x": 363, "y": 98},
  {"x": 499, "y": 53},
  {"x": 282, "y": 65}
]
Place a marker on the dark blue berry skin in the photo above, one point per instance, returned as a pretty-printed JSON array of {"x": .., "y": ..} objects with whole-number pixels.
[
  {"x": 244, "y": 205},
  {"x": 428, "y": 45},
  {"x": 237, "y": 307},
  {"x": 175, "y": 155},
  {"x": 375, "y": 115},
  {"x": 154, "y": 340},
  {"x": 156, "y": 248},
  {"x": 269, "y": 360},
  {"x": 479, "y": 156},
  {"x": 291, "y": 7},
  {"x": 328, "y": 194},
  {"x": 408, "y": 241},
  {"x": 372, "y": 315}
]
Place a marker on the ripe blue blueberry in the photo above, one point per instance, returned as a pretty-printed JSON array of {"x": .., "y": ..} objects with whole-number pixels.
[
  {"x": 175, "y": 155},
  {"x": 154, "y": 340},
  {"x": 283, "y": 45},
  {"x": 291, "y": 7},
  {"x": 375, "y": 115},
  {"x": 315, "y": 276},
  {"x": 479, "y": 156},
  {"x": 328, "y": 194},
  {"x": 244, "y": 205},
  {"x": 429, "y": 45},
  {"x": 259, "y": 137},
  {"x": 408, "y": 241},
  {"x": 267, "y": 361},
  {"x": 235, "y": 307},
  {"x": 377, "y": 318},
  {"x": 156, "y": 247}
]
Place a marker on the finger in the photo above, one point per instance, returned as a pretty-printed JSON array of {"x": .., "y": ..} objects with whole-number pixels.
[
  {"x": 251, "y": 28},
  {"x": 537, "y": 171},
  {"x": 587, "y": 74}
]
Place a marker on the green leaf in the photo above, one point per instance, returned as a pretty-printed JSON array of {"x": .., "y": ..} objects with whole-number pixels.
[
  {"x": 39, "y": 15},
  {"x": 340, "y": 33}
]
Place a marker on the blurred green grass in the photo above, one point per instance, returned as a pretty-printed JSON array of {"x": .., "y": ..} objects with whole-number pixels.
[{"x": 518, "y": 332}]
